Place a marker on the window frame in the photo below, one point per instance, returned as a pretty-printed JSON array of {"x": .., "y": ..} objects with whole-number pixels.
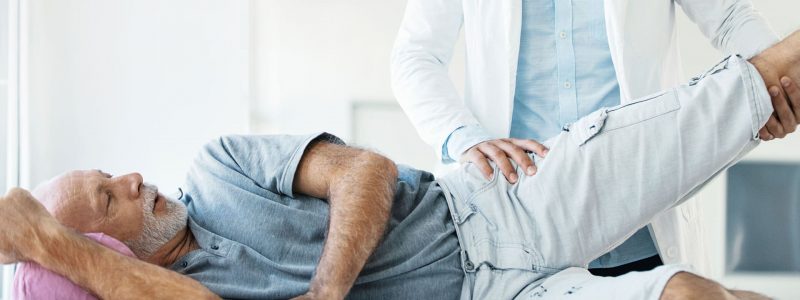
[
  {"x": 712, "y": 200},
  {"x": 16, "y": 40}
]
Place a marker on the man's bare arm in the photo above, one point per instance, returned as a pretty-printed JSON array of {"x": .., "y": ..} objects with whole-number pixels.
[
  {"x": 359, "y": 186},
  {"x": 29, "y": 233}
]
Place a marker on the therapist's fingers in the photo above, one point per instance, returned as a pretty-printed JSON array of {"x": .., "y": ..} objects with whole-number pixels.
[
  {"x": 500, "y": 158},
  {"x": 781, "y": 106},
  {"x": 774, "y": 127},
  {"x": 477, "y": 158},
  {"x": 793, "y": 91},
  {"x": 764, "y": 134},
  {"x": 532, "y": 146},
  {"x": 517, "y": 154}
]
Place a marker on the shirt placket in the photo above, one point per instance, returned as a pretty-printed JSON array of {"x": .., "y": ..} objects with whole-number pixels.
[{"x": 565, "y": 55}]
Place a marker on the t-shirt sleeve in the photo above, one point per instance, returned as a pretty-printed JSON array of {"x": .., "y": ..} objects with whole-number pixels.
[{"x": 270, "y": 161}]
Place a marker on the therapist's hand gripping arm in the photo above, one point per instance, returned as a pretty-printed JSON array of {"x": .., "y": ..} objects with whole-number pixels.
[
  {"x": 359, "y": 186},
  {"x": 29, "y": 233},
  {"x": 734, "y": 26},
  {"x": 779, "y": 76}
]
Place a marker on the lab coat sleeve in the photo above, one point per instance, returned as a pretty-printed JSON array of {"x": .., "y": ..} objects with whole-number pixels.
[
  {"x": 461, "y": 140},
  {"x": 419, "y": 66},
  {"x": 733, "y": 26}
]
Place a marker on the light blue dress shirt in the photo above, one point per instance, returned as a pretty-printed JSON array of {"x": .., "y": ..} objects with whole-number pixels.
[{"x": 564, "y": 72}]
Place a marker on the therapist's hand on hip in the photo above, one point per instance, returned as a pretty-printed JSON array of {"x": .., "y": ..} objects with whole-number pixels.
[{"x": 502, "y": 152}]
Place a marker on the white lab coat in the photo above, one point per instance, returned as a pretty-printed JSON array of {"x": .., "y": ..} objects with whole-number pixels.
[{"x": 643, "y": 44}]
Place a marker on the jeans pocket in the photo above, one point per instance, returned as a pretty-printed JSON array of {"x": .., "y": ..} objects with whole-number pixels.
[
  {"x": 498, "y": 255},
  {"x": 499, "y": 232},
  {"x": 610, "y": 119},
  {"x": 640, "y": 111}
]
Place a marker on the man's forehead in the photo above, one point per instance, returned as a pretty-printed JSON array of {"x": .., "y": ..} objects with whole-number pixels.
[
  {"x": 68, "y": 196},
  {"x": 74, "y": 180},
  {"x": 66, "y": 186}
]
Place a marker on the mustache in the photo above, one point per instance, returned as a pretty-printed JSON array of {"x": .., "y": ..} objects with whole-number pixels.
[{"x": 150, "y": 193}]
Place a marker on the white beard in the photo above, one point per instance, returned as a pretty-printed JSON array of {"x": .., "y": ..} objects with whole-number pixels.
[{"x": 157, "y": 231}]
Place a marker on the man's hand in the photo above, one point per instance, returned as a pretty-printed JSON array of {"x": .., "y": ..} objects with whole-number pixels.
[
  {"x": 502, "y": 152},
  {"x": 23, "y": 220}
]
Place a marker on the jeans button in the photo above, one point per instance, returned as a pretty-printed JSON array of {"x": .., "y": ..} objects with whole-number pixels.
[{"x": 469, "y": 266}]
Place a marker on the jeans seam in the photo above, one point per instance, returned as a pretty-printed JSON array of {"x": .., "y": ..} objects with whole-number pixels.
[{"x": 758, "y": 109}]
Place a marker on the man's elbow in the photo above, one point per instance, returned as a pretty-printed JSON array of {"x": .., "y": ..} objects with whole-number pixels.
[
  {"x": 382, "y": 174},
  {"x": 381, "y": 166}
]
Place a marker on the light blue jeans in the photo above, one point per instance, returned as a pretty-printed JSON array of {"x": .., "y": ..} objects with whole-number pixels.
[{"x": 605, "y": 177}]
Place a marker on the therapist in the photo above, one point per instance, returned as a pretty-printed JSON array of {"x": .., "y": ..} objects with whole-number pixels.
[{"x": 535, "y": 66}]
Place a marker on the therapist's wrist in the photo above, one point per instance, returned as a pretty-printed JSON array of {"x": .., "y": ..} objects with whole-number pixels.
[{"x": 464, "y": 138}]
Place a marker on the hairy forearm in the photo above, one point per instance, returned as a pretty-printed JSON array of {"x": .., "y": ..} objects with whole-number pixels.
[
  {"x": 108, "y": 274},
  {"x": 360, "y": 200}
]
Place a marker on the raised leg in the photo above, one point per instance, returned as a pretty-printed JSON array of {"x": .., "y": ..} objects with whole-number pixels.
[
  {"x": 608, "y": 175},
  {"x": 617, "y": 168}
]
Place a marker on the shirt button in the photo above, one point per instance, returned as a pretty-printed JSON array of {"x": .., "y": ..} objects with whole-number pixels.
[
  {"x": 184, "y": 264},
  {"x": 567, "y": 85},
  {"x": 562, "y": 35},
  {"x": 214, "y": 247}
]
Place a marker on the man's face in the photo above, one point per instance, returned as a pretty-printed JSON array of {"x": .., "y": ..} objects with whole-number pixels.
[{"x": 123, "y": 207}]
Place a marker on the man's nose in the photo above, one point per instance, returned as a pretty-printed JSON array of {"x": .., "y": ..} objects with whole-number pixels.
[{"x": 134, "y": 182}]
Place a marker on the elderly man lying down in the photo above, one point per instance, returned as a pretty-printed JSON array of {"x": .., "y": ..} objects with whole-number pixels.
[{"x": 265, "y": 217}]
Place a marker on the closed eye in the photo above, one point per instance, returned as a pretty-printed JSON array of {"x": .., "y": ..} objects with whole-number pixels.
[{"x": 108, "y": 204}]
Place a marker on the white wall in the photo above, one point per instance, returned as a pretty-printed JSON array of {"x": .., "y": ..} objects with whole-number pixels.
[
  {"x": 313, "y": 59},
  {"x": 133, "y": 85}
]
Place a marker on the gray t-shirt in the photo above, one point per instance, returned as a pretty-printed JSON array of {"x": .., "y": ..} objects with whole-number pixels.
[{"x": 258, "y": 240}]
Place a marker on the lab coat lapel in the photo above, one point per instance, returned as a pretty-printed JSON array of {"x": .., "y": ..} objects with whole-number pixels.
[
  {"x": 615, "y": 12},
  {"x": 513, "y": 29}
]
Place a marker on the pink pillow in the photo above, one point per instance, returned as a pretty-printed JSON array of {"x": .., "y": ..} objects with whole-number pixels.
[{"x": 31, "y": 281}]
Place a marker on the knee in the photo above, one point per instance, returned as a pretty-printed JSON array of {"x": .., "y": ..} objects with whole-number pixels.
[{"x": 685, "y": 285}]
